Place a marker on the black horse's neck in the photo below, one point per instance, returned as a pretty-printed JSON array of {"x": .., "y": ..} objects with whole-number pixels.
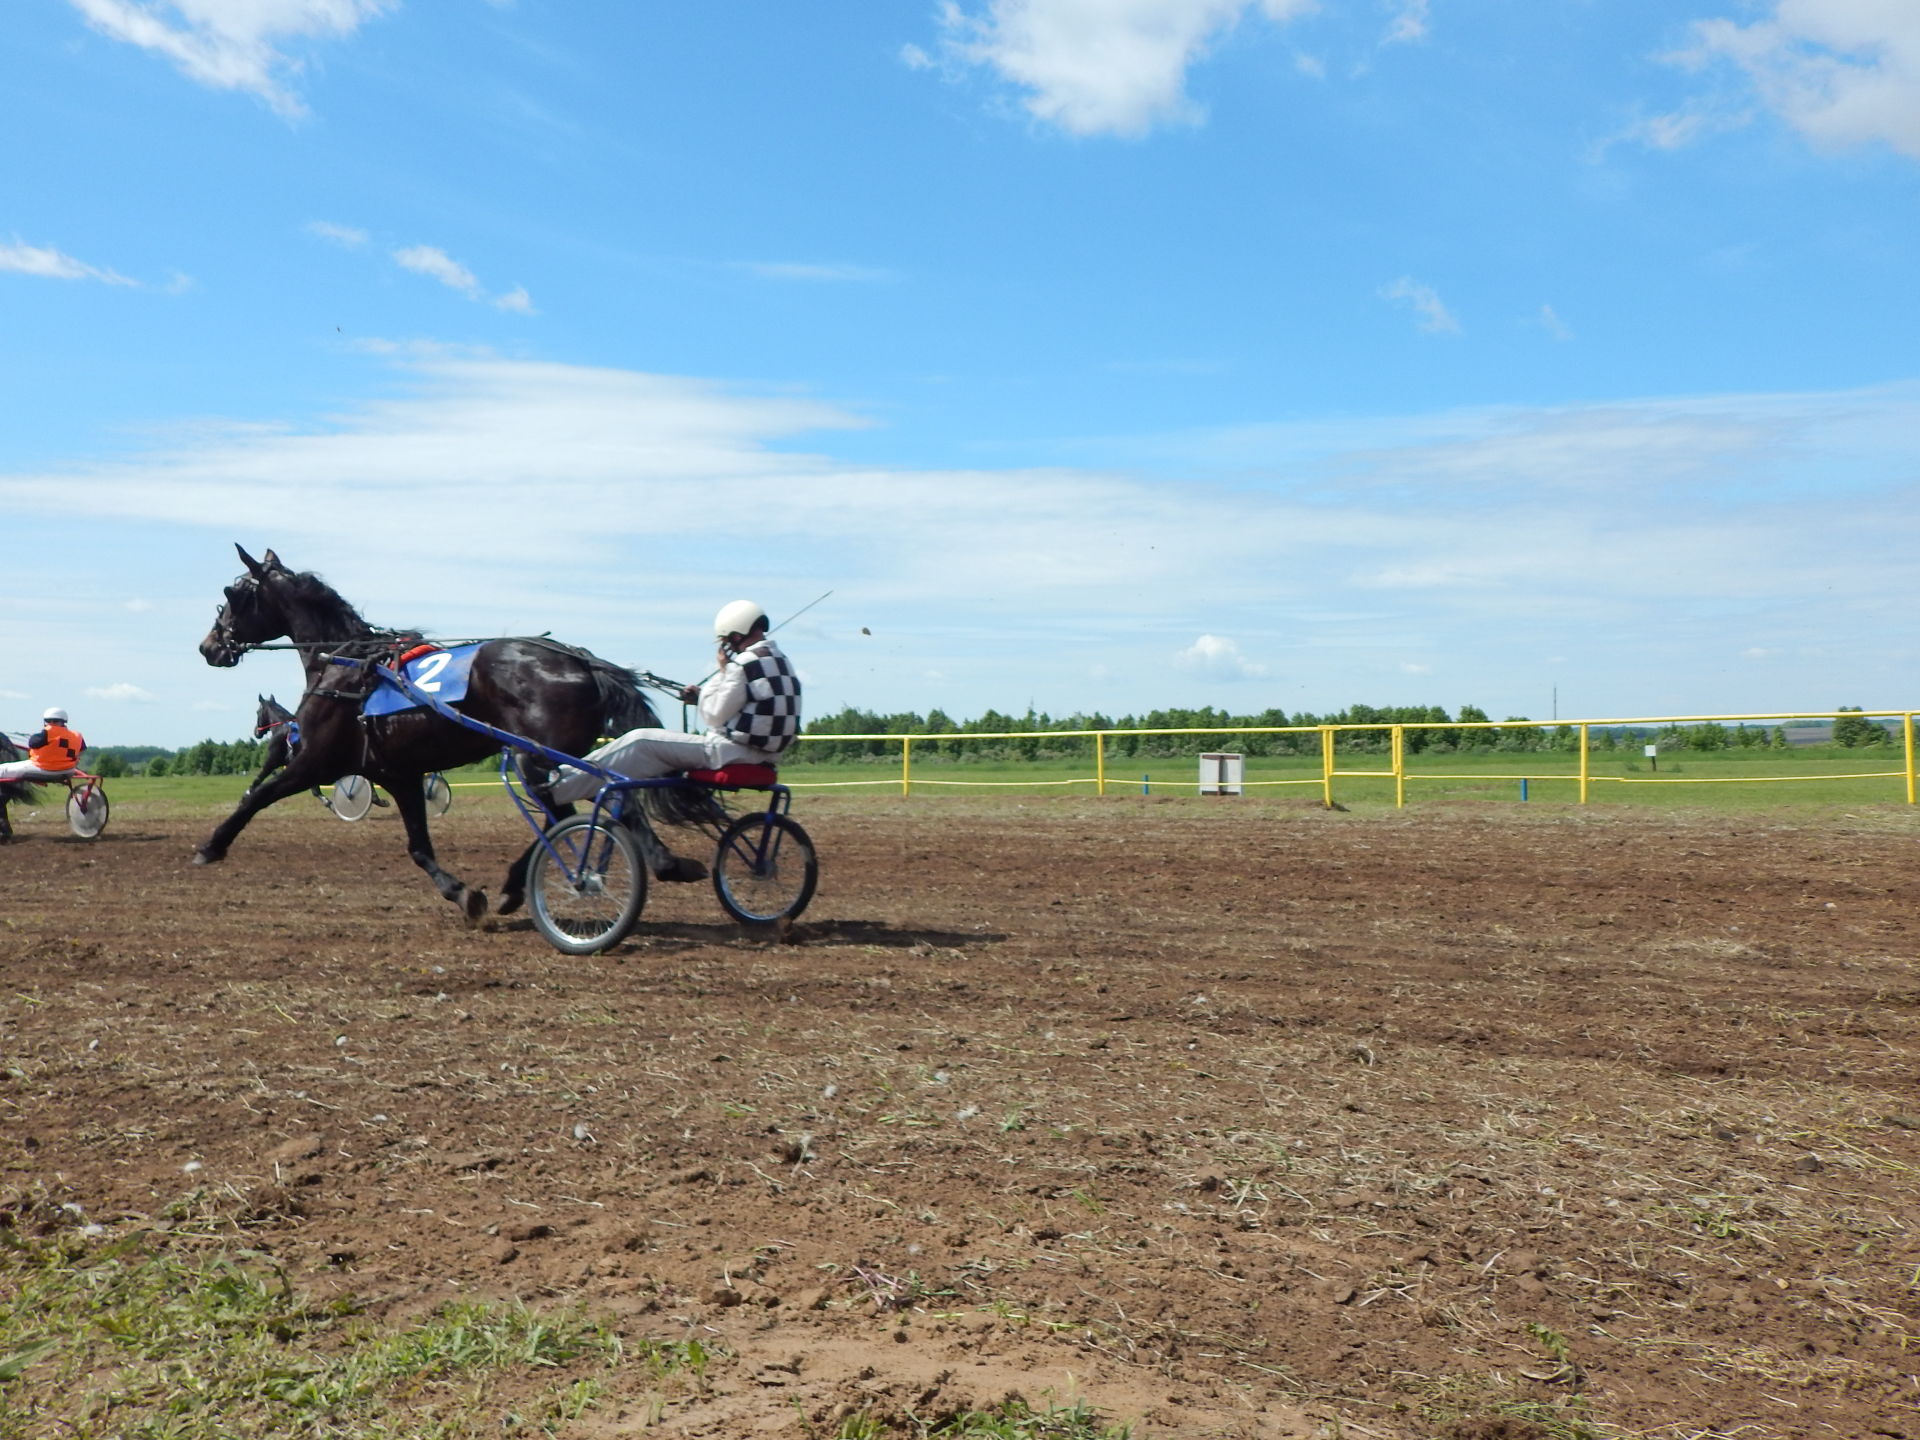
[
  {"x": 320, "y": 621},
  {"x": 314, "y": 611}
]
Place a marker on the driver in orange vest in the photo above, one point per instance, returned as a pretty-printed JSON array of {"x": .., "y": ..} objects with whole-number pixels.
[{"x": 52, "y": 750}]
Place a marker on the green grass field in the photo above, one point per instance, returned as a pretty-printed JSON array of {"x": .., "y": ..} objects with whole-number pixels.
[
  {"x": 1739, "y": 779},
  {"x": 1809, "y": 777}
]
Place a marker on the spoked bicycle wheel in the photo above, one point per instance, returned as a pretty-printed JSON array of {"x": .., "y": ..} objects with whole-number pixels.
[
  {"x": 588, "y": 885},
  {"x": 352, "y": 797},
  {"x": 439, "y": 794},
  {"x": 765, "y": 869},
  {"x": 87, "y": 811}
]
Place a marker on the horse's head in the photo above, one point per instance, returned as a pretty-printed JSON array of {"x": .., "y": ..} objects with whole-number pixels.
[
  {"x": 270, "y": 716},
  {"x": 250, "y": 615}
]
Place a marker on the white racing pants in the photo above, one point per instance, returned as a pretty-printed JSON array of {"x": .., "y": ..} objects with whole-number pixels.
[
  {"x": 646, "y": 754},
  {"x": 28, "y": 771}
]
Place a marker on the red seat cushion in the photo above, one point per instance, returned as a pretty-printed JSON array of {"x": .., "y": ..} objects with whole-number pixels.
[{"x": 743, "y": 774}]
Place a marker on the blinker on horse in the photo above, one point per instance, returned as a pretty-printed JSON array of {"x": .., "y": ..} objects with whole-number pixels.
[{"x": 560, "y": 695}]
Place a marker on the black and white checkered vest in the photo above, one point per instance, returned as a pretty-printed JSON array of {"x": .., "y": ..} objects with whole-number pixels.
[{"x": 770, "y": 719}]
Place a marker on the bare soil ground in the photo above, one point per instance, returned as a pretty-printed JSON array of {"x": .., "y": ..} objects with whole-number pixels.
[{"x": 1234, "y": 1120}]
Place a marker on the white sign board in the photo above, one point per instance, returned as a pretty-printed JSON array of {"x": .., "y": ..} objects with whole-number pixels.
[
  {"x": 1222, "y": 774},
  {"x": 1652, "y": 750}
]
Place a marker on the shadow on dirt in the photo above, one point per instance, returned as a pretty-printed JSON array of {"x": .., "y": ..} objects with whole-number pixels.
[{"x": 677, "y": 936}]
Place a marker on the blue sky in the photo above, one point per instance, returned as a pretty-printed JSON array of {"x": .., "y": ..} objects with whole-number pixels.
[{"x": 1095, "y": 354}]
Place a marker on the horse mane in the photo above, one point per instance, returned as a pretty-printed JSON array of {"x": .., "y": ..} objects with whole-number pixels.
[{"x": 316, "y": 598}]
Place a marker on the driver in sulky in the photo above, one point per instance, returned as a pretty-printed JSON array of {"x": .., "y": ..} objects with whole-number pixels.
[
  {"x": 52, "y": 750},
  {"x": 750, "y": 706}
]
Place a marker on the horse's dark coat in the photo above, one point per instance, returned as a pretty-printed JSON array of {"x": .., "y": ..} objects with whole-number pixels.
[{"x": 560, "y": 696}]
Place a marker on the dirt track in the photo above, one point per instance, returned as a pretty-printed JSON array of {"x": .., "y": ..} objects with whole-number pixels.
[{"x": 1232, "y": 1120}]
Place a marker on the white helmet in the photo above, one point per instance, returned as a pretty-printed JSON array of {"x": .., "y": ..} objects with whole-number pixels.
[
  {"x": 737, "y": 617},
  {"x": 55, "y": 714}
]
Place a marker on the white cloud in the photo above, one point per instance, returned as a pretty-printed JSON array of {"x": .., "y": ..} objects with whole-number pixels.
[
  {"x": 791, "y": 270},
  {"x": 53, "y": 265},
  {"x": 121, "y": 693},
  {"x": 1680, "y": 128},
  {"x": 13, "y": 694},
  {"x": 1551, "y": 322},
  {"x": 139, "y": 607},
  {"x": 1431, "y": 312},
  {"x": 436, "y": 264},
  {"x": 1842, "y": 72},
  {"x": 1094, "y": 67},
  {"x": 1647, "y": 531},
  {"x": 1413, "y": 667},
  {"x": 230, "y": 44},
  {"x": 914, "y": 58},
  {"x": 1410, "y": 24},
  {"x": 1219, "y": 658},
  {"x": 348, "y": 237}
]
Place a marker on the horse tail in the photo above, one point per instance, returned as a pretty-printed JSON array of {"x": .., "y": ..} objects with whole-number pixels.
[
  {"x": 15, "y": 792},
  {"x": 624, "y": 707}
]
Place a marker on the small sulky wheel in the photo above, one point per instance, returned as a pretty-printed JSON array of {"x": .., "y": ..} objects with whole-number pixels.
[
  {"x": 87, "y": 810},
  {"x": 765, "y": 869},
  {"x": 439, "y": 794},
  {"x": 587, "y": 885},
  {"x": 352, "y": 797}
]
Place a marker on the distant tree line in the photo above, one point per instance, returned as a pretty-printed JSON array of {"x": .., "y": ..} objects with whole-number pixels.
[
  {"x": 1035, "y": 735},
  {"x": 209, "y": 757}
]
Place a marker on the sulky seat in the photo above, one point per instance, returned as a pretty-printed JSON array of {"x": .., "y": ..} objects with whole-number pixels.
[{"x": 744, "y": 775}]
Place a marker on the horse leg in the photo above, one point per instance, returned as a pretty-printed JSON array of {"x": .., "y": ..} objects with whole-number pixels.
[
  {"x": 410, "y": 799},
  {"x": 6, "y": 828},
  {"x": 513, "y": 890},
  {"x": 276, "y": 788}
]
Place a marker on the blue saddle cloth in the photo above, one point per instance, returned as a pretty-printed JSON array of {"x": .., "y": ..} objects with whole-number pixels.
[{"x": 442, "y": 674}]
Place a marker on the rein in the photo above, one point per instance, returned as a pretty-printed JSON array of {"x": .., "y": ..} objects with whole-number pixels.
[{"x": 370, "y": 639}]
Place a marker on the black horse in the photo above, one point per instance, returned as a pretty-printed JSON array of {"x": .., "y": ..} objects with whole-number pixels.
[
  {"x": 274, "y": 721},
  {"x": 559, "y": 695},
  {"x": 13, "y": 791}
]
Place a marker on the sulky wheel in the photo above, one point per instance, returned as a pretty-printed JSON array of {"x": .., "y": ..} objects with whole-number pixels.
[
  {"x": 352, "y": 797},
  {"x": 439, "y": 794},
  {"x": 588, "y": 885},
  {"x": 87, "y": 811},
  {"x": 765, "y": 869}
]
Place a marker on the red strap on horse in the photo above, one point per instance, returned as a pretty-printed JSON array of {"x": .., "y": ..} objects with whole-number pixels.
[{"x": 415, "y": 653}]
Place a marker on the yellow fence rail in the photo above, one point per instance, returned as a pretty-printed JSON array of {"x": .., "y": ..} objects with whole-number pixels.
[{"x": 1396, "y": 754}]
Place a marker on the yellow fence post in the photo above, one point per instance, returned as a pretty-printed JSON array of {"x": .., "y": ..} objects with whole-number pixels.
[
  {"x": 1099, "y": 763},
  {"x": 1399, "y": 767},
  {"x": 1583, "y": 764},
  {"x": 906, "y": 764},
  {"x": 1326, "y": 766},
  {"x": 1909, "y": 729}
]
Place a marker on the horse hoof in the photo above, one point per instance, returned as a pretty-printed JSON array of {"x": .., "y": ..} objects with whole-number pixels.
[
  {"x": 509, "y": 903},
  {"x": 473, "y": 905},
  {"x": 201, "y": 857}
]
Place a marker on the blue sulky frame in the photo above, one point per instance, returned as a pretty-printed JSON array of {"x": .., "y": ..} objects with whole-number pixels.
[{"x": 764, "y": 868}]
